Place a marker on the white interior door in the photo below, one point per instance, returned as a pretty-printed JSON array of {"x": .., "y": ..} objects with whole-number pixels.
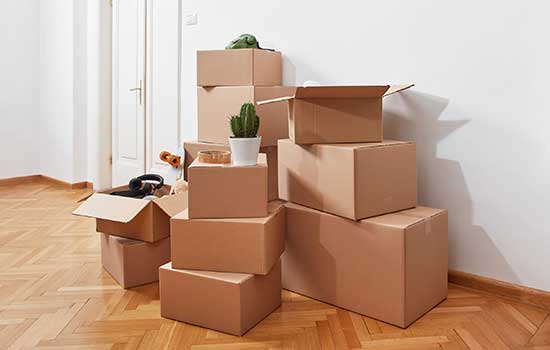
[
  {"x": 163, "y": 90},
  {"x": 129, "y": 23}
]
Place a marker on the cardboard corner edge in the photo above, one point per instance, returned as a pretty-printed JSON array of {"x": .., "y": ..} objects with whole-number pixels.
[{"x": 397, "y": 88}]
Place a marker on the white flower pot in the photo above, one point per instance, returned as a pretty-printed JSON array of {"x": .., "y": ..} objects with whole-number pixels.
[{"x": 244, "y": 151}]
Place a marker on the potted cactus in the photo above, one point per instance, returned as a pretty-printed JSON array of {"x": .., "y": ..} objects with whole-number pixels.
[{"x": 245, "y": 143}]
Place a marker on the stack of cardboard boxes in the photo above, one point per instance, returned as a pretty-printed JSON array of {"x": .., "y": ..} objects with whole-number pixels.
[
  {"x": 225, "y": 272},
  {"x": 354, "y": 236},
  {"x": 135, "y": 233},
  {"x": 228, "y": 78}
]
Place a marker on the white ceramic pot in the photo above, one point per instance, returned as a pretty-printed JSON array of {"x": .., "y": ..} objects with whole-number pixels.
[{"x": 244, "y": 151}]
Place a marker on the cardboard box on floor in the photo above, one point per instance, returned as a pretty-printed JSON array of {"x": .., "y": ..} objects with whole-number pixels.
[
  {"x": 140, "y": 219},
  {"x": 193, "y": 147},
  {"x": 245, "y": 245},
  {"x": 355, "y": 181},
  {"x": 217, "y": 104},
  {"x": 227, "y": 190},
  {"x": 334, "y": 114},
  {"x": 226, "y": 302},
  {"x": 239, "y": 67},
  {"x": 133, "y": 263},
  {"x": 392, "y": 267}
]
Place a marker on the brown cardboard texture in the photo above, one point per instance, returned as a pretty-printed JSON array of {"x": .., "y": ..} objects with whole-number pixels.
[
  {"x": 392, "y": 267},
  {"x": 226, "y": 302},
  {"x": 133, "y": 263},
  {"x": 193, "y": 147},
  {"x": 239, "y": 67},
  {"x": 334, "y": 114},
  {"x": 217, "y": 104},
  {"x": 140, "y": 219},
  {"x": 227, "y": 190},
  {"x": 247, "y": 245},
  {"x": 355, "y": 181}
]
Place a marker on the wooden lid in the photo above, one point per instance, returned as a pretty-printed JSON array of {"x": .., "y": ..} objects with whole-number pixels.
[{"x": 216, "y": 157}]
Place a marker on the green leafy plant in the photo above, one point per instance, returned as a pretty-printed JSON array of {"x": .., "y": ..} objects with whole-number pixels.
[{"x": 247, "y": 123}]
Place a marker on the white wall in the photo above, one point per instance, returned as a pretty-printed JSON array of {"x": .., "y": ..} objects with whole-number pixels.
[
  {"x": 19, "y": 88},
  {"x": 57, "y": 89},
  {"x": 479, "y": 113}
]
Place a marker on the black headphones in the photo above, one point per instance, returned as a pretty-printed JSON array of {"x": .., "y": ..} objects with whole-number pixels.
[{"x": 141, "y": 186}]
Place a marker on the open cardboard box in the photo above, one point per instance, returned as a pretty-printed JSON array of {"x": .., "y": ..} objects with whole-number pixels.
[
  {"x": 227, "y": 302},
  {"x": 243, "y": 245},
  {"x": 239, "y": 67},
  {"x": 335, "y": 114},
  {"x": 141, "y": 219},
  {"x": 353, "y": 180},
  {"x": 392, "y": 267},
  {"x": 227, "y": 190},
  {"x": 217, "y": 104},
  {"x": 133, "y": 263},
  {"x": 193, "y": 147}
]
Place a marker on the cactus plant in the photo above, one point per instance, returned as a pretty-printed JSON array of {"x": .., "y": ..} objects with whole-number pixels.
[{"x": 246, "y": 124}]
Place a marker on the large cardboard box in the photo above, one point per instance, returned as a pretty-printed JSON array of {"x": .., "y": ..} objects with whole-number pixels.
[
  {"x": 333, "y": 114},
  {"x": 141, "y": 219},
  {"x": 217, "y": 104},
  {"x": 133, "y": 263},
  {"x": 355, "y": 181},
  {"x": 227, "y": 302},
  {"x": 227, "y": 190},
  {"x": 193, "y": 147},
  {"x": 248, "y": 245},
  {"x": 239, "y": 67},
  {"x": 391, "y": 267}
]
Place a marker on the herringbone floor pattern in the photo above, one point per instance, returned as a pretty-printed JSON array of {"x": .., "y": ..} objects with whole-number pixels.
[{"x": 54, "y": 294}]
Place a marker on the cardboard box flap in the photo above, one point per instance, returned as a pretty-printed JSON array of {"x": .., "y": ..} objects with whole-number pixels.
[
  {"x": 108, "y": 207},
  {"x": 397, "y": 88},
  {"x": 228, "y": 277},
  {"x": 311, "y": 92},
  {"x": 172, "y": 204}
]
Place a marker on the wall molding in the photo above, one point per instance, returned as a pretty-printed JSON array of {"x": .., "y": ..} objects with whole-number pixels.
[
  {"x": 44, "y": 179},
  {"x": 527, "y": 295}
]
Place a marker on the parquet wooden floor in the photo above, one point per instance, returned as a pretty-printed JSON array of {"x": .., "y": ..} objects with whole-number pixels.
[{"x": 55, "y": 295}]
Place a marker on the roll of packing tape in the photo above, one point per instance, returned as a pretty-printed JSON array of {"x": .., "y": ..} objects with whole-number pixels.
[{"x": 215, "y": 157}]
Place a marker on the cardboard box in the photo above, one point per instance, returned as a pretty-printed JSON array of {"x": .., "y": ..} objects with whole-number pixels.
[
  {"x": 140, "y": 219},
  {"x": 334, "y": 114},
  {"x": 239, "y": 67},
  {"x": 217, "y": 104},
  {"x": 226, "y": 302},
  {"x": 227, "y": 190},
  {"x": 248, "y": 245},
  {"x": 355, "y": 181},
  {"x": 391, "y": 267},
  {"x": 193, "y": 147},
  {"x": 133, "y": 263}
]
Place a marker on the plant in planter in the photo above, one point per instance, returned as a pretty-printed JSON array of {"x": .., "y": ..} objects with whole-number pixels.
[{"x": 245, "y": 143}]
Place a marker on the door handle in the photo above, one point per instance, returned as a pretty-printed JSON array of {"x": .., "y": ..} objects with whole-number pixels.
[{"x": 138, "y": 89}]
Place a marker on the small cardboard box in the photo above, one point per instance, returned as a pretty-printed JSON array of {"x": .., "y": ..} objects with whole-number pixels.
[
  {"x": 239, "y": 67},
  {"x": 355, "y": 181},
  {"x": 140, "y": 219},
  {"x": 217, "y": 104},
  {"x": 391, "y": 267},
  {"x": 133, "y": 263},
  {"x": 335, "y": 114},
  {"x": 227, "y": 190},
  {"x": 226, "y": 302},
  {"x": 248, "y": 245},
  {"x": 193, "y": 147}
]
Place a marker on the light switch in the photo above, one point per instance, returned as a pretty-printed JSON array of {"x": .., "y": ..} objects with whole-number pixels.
[{"x": 190, "y": 19}]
